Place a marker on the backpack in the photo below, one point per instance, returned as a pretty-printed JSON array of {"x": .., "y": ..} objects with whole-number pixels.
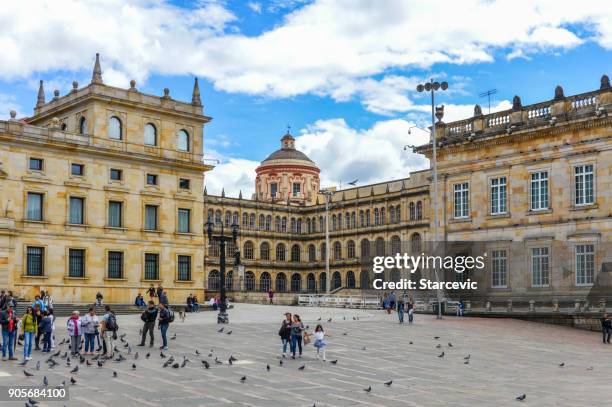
[
  {"x": 170, "y": 315},
  {"x": 111, "y": 323}
]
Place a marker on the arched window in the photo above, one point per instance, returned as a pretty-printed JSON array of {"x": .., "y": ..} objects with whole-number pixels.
[
  {"x": 323, "y": 252},
  {"x": 347, "y": 220},
  {"x": 353, "y": 221},
  {"x": 411, "y": 212},
  {"x": 398, "y": 214},
  {"x": 299, "y": 226},
  {"x": 277, "y": 224},
  {"x": 392, "y": 214},
  {"x": 83, "y": 125},
  {"x": 350, "y": 249},
  {"x": 284, "y": 224},
  {"x": 214, "y": 249},
  {"x": 150, "y": 135},
  {"x": 230, "y": 249},
  {"x": 361, "y": 219},
  {"x": 213, "y": 280},
  {"x": 265, "y": 281},
  {"x": 264, "y": 251},
  {"x": 415, "y": 243},
  {"x": 293, "y": 226},
  {"x": 262, "y": 222},
  {"x": 269, "y": 222},
  {"x": 322, "y": 282},
  {"x": 114, "y": 128},
  {"x": 248, "y": 250},
  {"x": 235, "y": 218},
  {"x": 321, "y": 224},
  {"x": 228, "y": 219},
  {"x": 337, "y": 250},
  {"x": 419, "y": 210},
  {"x": 280, "y": 252},
  {"x": 217, "y": 218},
  {"x": 229, "y": 281},
  {"x": 350, "y": 279},
  {"x": 249, "y": 281},
  {"x": 281, "y": 283},
  {"x": 245, "y": 220},
  {"x": 296, "y": 283},
  {"x": 252, "y": 221},
  {"x": 336, "y": 280},
  {"x": 365, "y": 248},
  {"x": 312, "y": 253},
  {"x": 311, "y": 283},
  {"x": 380, "y": 247},
  {"x": 364, "y": 280},
  {"x": 396, "y": 245},
  {"x": 313, "y": 222},
  {"x": 376, "y": 217},
  {"x": 334, "y": 222},
  {"x": 383, "y": 218},
  {"x": 295, "y": 253},
  {"x": 182, "y": 140},
  {"x": 308, "y": 229},
  {"x": 211, "y": 215},
  {"x": 367, "y": 217}
]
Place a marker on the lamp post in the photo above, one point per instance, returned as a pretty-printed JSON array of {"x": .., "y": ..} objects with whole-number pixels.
[
  {"x": 432, "y": 87},
  {"x": 223, "y": 317},
  {"x": 327, "y": 195}
]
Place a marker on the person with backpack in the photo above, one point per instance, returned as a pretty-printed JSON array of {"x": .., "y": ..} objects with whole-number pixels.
[
  {"x": 163, "y": 298},
  {"x": 285, "y": 332},
  {"x": 148, "y": 317},
  {"x": 166, "y": 316},
  {"x": 108, "y": 330}
]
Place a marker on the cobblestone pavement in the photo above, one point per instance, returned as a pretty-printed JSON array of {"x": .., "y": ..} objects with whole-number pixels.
[{"x": 508, "y": 358}]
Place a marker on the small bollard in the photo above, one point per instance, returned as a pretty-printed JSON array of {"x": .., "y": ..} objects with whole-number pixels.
[
  {"x": 555, "y": 305},
  {"x": 468, "y": 305},
  {"x": 577, "y": 305},
  {"x": 488, "y": 306},
  {"x": 602, "y": 305},
  {"x": 509, "y": 306},
  {"x": 531, "y": 305}
]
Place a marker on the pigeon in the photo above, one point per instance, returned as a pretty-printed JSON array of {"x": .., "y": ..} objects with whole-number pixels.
[
  {"x": 76, "y": 369},
  {"x": 67, "y": 361},
  {"x": 389, "y": 383},
  {"x": 345, "y": 333},
  {"x": 176, "y": 365},
  {"x": 122, "y": 336},
  {"x": 232, "y": 358},
  {"x": 133, "y": 366},
  {"x": 23, "y": 363},
  {"x": 590, "y": 368},
  {"x": 148, "y": 355},
  {"x": 333, "y": 362},
  {"x": 52, "y": 364},
  {"x": 197, "y": 353},
  {"x": 217, "y": 361},
  {"x": 521, "y": 397},
  {"x": 438, "y": 346},
  {"x": 353, "y": 182},
  {"x": 206, "y": 364},
  {"x": 210, "y": 355},
  {"x": 161, "y": 355},
  {"x": 228, "y": 332},
  {"x": 230, "y": 362},
  {"x": 221, "y": 330},
  {"x": 38, "y": 365},
  {"x": 32, "y": 402},
  {"x": 96, "y": 357},
  {"x": 126, "y": 345},
  {"x": 466, "y": 362},
  {"x": 56, "y": 354},
  {"x": 329, "y": 320},
  {"x": 168, "y": 363},
  {"x": 120, "y": 358},
  {"x": 450, "y": 345},
  {"x": 72, "y": 380},
  {"x": 45, "y": 381},
  {"x": 268, "y": 368},
  {"x": 410, "y": 343},
  {"x": 302, "y": 367},
  {"x": 88, "y": 363},
  {"x": 81, "y": 359},
  {"x": 114, "y": 373},
  {"x": 243, "y": 379},
  {"x": 116, "y": 350},
  {"x": 27, "y": 374},
  {"x": 436, "y": 337},
  {"x": 441, "y": 355},
  {"x": 344, "y": 318},
  {"x": 319, "y": 319},
  {"x": 173, "y": 337},
  {"x": 129, "y": 350},
  {"x": 364, "y": 348},
  {"x": 369, "y": 389},
  {"x": 100, "y": 364},
  {"x": 561, "y": 364},
  {"x": 467, "y": 357},
  {"x": 280, "y": 362},
  {"x": 136, "y": 356},
  {"x": 184, "y": 362}
]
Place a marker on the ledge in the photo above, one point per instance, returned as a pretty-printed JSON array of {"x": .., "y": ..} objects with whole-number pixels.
[
  {"x": 34, "y": 277},
  {"x": 77, "y": 183},
  {"x": 584, "y": 207},
  {"x": 142, "y": 280},
  {"x": 39, "y": 179},
  {"x": 115, "y": 229},
  {"x": 184, "y": 281},
  {"x": 114, "y": 279},
  {"x": 460, "y": 220},
  {"x": 75, "y": 278},
  {"x": 539, "y": 212},
  {"x": 499, "y": 216},
  {"x": 116, "y": 188},
  {"x": 36, "y": 222}
]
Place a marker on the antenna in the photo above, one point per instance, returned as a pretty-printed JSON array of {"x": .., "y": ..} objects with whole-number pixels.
[{"x": 488, "y": 95}]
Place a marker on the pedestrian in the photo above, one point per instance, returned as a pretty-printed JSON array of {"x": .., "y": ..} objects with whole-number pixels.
[
  {"x": 2, "y": 299},
  {"x": 212, "y": 303},
  {"x": 47, "y": 300},
  {"x": 410, "y": 312},
  {"x": 606, "y": 328},
  {"x": 271, "y": 296},
  {"x": 30, "y": 327},
  {"x": 148, "y": 317},
  {"x": 297, "y": 327},
  {"x": 163, "y": 298},
  {"x": 52, "y": 316},
  {"x": 99, "y": 299},
  {"x": 39, "y": 302},
  {"x": 285, "y": 332},
  {"x": 8, "y": 320},
  {"x": 38, "y": 316},
  {"x": 189, "y": 303},
  {"x": 73, "y": 326},
  {"x": 400, "y": 310},
  {"x": 90, "y": 323},
  {"x": 151, "y": 292},
  {"x": 159, "y": 291},
  {"x": 46, "y": 327},
  {"x": 108, "y": 329},
  {"x": 391, "y": 302},
  {"x": 165, "y": 317},
  {"x": 460, "y": 307},
  {"x": 319, "y": 341}
]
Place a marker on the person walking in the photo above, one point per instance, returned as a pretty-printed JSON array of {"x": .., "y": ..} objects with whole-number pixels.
[
  {"x": 73, "y": 326},
  {"x": 164, "y": 322},
  {"x": 271, "y": 296},
  {"x": 285, "y": 332},
  {"x": 38, "y": 301},
  {"x": 159, "y": 291},
  {"x": 319, "y": 341},
  {"x": 460, "y": 308},
  {"x": 148, "y": 317},
  {"x": 8, "y": 320},
  {"x": 46, "y": 327},
  {"x": 108, "y": 329},
  {"x": 90, "y": 323},
  {"x": 163, "y": 298},
  {"x": 410, "y": 312},
  {"x": 297, "y": 327},
  {"x": 30, "y": 328},
  {"x": 606, "y": 328},
  {"x": 47, "y": 300},
  {"x": 53, "y": 318},
  {"x": 151, "y": 292},
  {"x": 400, "y": 310}
]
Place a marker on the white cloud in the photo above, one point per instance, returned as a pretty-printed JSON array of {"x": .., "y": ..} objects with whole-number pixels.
[
  {"x": 233, "y": 174},
  {"x": 8, "y": 103},
  {"x": 254, "y": 6}
]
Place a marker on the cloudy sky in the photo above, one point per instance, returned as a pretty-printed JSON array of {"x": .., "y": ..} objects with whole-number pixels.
[{"x": 341, "y": 73}]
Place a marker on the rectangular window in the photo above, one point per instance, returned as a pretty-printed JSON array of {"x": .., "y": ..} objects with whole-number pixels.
[
  {"x": 462, "y": 200},
  {"x": 115, "y": 264},
  {"x": 498, "y": 196},
  {"x": 273, "y": 189},
  {"x": 184, "y": 268},
  {"x": 115, "y": 174},
  {"x": 585, "y": 264},
  {"x": 35, "y": 261},
  {"x": 540, "y": 266},
  {"x": 296, "y": 189},
  {"x": 115, "y": 216},
  {"x": 150, "y": 217},
  {"x": 499, "y": 269},
  {"x": 35, "y": 206},
  {"x": 151, "y": 266},
  {"x": 539, "y": 190},
  {"x": 583, "y": 177},
  {"x": 184, "y": 220},
  {"x": 36, "y": 164},
  {"x": 77, "y": 169},
  {"x": 151, "y": 179},
  {"x": 76, "y": 263},
  {"x": 77, "y": 210},
  {"x": 184, "y": 183}
]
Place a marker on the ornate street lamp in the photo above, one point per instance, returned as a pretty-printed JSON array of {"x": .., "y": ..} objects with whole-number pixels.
[{"x": 223, "y": 317}]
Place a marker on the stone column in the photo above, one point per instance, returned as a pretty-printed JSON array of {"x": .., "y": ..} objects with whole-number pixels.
[
  {"x": 531, "y": 305},
  {"x": 509, "y": 306},
  {"x": 555, "y": 305}
]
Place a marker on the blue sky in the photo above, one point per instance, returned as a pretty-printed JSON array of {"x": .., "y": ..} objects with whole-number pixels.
[{"x": 341, "y": 73}]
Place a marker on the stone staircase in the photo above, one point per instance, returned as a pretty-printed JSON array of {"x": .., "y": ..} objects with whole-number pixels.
[{"x": 64, "y": 310}]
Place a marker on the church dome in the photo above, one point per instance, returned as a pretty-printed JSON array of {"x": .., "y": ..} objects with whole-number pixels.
[{"x": 288, "y": 152}]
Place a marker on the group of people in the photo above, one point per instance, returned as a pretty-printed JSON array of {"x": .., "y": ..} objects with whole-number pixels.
[
  {"x": 91, "y": 328},
  {"x": 293, "y": 333},
  {"x": 159, "y": 292},
  {"x": 390, "y": 302},
  {"x": 192, "y": 304},
  {"x": 161, "y": 314}
]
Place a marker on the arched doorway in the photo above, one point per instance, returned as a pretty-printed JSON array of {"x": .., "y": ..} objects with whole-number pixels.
[
  {"x": 281, "y": 283},
  {"x": 249, "y": 281},
  {"x": 350, "y": 279},
  {"x": 322, "y": 282},
  {"x": 296, "y": 283},
  {"x": 265, "y": 282},
  {"x": 213, "y": 280},
  {"x": 336, "y": 280},
  {"x": 311, "y": 283}
]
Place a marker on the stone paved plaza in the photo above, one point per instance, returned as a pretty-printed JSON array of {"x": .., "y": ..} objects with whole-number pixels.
[{"x": 508, "y": 358}]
